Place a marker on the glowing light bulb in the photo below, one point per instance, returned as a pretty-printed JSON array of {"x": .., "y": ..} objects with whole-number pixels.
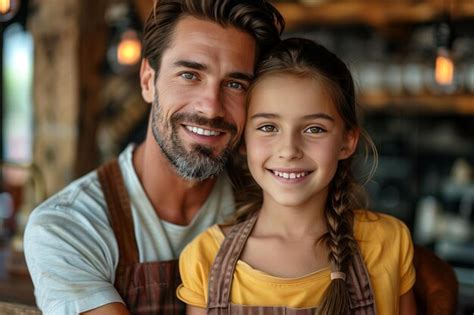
[
  {"x": 444, "y": 76},
  {"x": 129, "y": 49},
  {"x": 8, "y": 9},
  {"x": 444, "y": 68},
  {"x": 5, "y": 6}
]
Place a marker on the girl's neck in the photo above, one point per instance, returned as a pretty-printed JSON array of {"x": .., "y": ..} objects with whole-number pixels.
[
  {"x": 292, "y": 223},
  {"x": 284, "y": 242}
]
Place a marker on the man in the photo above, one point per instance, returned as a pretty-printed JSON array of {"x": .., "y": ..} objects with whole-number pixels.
[{"x": 109, "y": 241}]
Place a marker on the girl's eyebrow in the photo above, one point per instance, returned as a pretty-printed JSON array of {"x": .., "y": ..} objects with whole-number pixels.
[
  {"x": 264, "y": 115},
  {"x": 306, "y": 117},
  {"x": 319, "y": 116}
]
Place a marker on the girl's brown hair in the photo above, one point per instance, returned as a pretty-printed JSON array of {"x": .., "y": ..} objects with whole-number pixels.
[{"x": 305, "y": 58}]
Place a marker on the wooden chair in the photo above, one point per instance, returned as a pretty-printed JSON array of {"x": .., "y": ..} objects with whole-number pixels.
[{"x": 436, "y": 286}]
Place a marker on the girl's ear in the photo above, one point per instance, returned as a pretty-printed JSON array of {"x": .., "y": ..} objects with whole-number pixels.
[
  {"x": 147, "y": 81},
  {"x": 350, "y": 143}
]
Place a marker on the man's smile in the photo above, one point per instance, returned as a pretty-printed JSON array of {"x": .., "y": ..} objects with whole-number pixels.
[{"x": 202, "y": 131}]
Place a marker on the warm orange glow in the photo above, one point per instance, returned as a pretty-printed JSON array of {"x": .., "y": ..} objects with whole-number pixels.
[
  {"x": 444, "y": 70},
  {"x": 129, "y": 49},
  {"x": 5, "y": 6}
]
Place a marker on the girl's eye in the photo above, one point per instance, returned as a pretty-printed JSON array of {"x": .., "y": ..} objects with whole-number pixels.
[
  {"x": 188, "y": 76},
  {"x": 314, "y": 129},
  {"x": 267, "y": 128}
]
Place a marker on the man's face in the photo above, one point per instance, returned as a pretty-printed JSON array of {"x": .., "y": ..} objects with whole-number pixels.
[{"x": 198, "y": 110}]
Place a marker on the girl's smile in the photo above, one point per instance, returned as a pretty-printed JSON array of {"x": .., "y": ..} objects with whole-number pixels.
[{"x": 290, "y": 176}]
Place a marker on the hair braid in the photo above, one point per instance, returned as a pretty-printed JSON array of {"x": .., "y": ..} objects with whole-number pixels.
[{"x": 339, "y": 239}]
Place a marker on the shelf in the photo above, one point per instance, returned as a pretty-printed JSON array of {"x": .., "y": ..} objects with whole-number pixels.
[
  {"x": 373, "y": 13},
  {"x": 455, "y": 104}
]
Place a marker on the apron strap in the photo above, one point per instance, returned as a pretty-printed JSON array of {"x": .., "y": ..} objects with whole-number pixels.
[
  {"x": 222, "y": 271},
  {"x": 359, "y": 286},
  {"x": 120, "y": 212}
]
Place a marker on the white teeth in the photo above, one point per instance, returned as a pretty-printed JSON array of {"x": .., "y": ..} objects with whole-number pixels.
[
  {"x": 290, "y": 175},
  {"x": 203, "y": 132}
]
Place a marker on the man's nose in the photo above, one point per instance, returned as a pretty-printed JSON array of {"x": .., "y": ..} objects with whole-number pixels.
[{"x": 209, "y": 103}]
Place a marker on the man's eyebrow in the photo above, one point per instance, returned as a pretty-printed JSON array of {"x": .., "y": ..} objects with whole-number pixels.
[
  {"x": 202, "y": 67},
  {"x": 190, "y": 64},
  {"x": 241, "y": 76}
]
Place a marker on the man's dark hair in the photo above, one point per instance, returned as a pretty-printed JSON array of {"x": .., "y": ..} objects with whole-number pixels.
[{"x": 258, "y": 18}]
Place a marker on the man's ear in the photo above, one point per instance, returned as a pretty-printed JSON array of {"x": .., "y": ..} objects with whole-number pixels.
[
  {"x": 350, "y": 143},
  {"x": 147, "y": 81}
]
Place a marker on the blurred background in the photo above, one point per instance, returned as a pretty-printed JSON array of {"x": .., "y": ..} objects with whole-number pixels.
[{"x": 70, "y": 99}]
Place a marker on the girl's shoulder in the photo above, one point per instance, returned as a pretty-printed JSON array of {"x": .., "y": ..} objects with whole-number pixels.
[
  {"x": 195, "y": 263},
  {"x": 376, "y": 219},
  {"x": 203, "y": 249},
  {"x": 386, "y": 246},
  {"x": 205, "y": 244},
  {"x": 369, "y": 225}
]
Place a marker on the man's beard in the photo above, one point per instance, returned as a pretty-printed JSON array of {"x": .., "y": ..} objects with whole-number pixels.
[{"x": 199, "y": 162}]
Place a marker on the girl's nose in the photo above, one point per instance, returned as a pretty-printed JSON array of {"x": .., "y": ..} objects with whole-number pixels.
[{"x": 290, "y": 148}]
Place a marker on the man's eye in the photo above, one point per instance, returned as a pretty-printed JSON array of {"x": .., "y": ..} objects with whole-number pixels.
[
  {"x": 314, "y": 129},
  {"x": 236, "y": 85},
  {"x": 267, "y": 128},
  {"x": 188, "y": 76}
]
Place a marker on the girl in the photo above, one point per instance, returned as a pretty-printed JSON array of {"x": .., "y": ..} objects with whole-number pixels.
[{"x": 301, "y": 247}]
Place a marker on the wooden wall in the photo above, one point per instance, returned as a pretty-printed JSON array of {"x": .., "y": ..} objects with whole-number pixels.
[
  {"x": 54, "y": 26},
  {"x": 69, "y": 40}
]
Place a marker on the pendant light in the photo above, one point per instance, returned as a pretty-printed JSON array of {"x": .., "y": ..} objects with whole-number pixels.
[
  {"x": 444, "y": 63},
  {"x": 124, "y": 53},
  {"x": 8, "y": 9}
]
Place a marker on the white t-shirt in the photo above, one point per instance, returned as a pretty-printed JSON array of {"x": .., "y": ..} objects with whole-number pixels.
[{"x": 71, "y": 250}]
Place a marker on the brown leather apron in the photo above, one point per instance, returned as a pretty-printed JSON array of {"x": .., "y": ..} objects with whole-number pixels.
[
  {"x": 220, "y": 281},
  {"x": 146, "y": 288}
]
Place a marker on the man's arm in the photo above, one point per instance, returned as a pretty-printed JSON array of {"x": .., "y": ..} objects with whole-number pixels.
[
  {"x": 109, "y": 309},
  {"x": 71, "y": 257},
  {"x": 436, "y": 286}
]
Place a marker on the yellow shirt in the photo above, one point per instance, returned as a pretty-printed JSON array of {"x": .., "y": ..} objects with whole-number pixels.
[{"x": 384, "y": 242}]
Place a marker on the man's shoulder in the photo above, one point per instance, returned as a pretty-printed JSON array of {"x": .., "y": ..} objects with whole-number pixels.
[
  {"x": 82, "y": 197},
  {"x": 71, "y": 250},
  {"x": 85, "y": 191}
]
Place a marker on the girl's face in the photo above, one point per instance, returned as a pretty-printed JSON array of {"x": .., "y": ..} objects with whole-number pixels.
[{"x": 294, "y": 139}]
